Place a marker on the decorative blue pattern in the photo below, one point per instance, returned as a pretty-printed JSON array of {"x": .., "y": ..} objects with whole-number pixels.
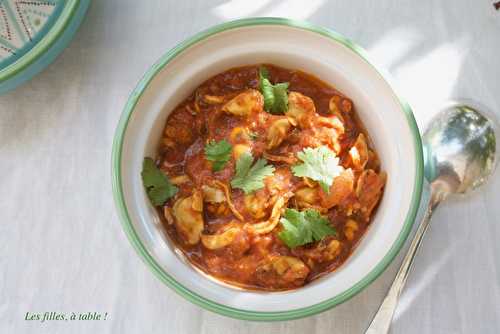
[
  {"x": 22, "y": 24},
  {"x": 27, "y": 72}
]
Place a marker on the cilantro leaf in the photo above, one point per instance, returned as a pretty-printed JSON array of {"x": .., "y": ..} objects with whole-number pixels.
[
  {"x": 280, "y": 98},
  {"x": 218, "y": 153},
  {"x": 275, "y": 96},
  {"x": 263, "y": 73},
  {"x": 320, "y": 164},
  {"x": 250, "y": 178},
  {"x": 267, "y": 91},
  {"x": 157, "y": 184},
  {"x": 303, "y": 227}
]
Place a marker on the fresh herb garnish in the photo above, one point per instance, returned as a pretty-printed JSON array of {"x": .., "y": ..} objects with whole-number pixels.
[
  {"x": 157, "y": 184},
  {"x": 275, "y": 96},
  {"x": 303, "y": 227},
  {"x": 253, "y": 136},
  {"x": 218, "y": 153},
  {"x": 319, "y": 164},
  {"x": 250, "y": 178}
]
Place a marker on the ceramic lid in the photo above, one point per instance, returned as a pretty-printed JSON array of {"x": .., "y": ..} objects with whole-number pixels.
[
  {"x": 32, "y": 34},
  {"x": 23, "y": 24}
]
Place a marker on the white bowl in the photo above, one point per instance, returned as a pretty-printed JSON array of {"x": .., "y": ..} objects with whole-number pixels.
[{"x": 289, "y": 44}]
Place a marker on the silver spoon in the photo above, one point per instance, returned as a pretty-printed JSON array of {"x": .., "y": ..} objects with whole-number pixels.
[{"x": 460, "y": 154}]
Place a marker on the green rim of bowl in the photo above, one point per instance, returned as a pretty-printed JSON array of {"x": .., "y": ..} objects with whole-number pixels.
[
  {"x": 44, "y": 44},
  {"x": 193, "y": 296}
]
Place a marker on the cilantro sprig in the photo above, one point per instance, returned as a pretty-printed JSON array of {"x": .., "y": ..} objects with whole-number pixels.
[
  {"x": 320, "y": 164},
  {"x": 157, "y": 184},
  {"x": 218, "y": 153},
  {"x": 275, "y": 96},
  {"x": 303, "y": 227},
  {"x": 250, "y": 178}
]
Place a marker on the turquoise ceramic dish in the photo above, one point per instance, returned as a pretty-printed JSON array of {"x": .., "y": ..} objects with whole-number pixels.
[{"x": 32, "y": 34}]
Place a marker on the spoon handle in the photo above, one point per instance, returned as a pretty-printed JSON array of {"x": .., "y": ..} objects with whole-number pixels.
[{"x": 382, "y": 320}]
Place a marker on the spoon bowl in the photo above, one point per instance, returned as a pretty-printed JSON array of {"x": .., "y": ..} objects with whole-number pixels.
[{"x": 460, "y": 149}]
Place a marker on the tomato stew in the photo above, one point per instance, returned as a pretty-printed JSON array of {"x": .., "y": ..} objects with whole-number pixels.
[{"x": 235, "y": 235}]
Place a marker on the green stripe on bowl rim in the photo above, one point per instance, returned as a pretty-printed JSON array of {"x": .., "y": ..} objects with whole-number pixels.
[
  {"x": 196, "y": 298},
  {"x": 44, "y": 44}
]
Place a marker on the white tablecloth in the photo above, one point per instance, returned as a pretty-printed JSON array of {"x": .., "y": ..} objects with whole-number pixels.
[{"x": 62, "y": 248}]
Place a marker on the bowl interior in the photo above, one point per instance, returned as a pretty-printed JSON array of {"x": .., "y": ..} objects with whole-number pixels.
[{"x": 290, "y": 47}]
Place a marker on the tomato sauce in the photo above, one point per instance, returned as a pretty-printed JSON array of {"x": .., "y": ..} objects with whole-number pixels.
[{"x": 262, "y": 260}]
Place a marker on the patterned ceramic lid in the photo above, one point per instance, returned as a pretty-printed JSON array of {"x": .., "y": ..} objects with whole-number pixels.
[
  {"x": 22, "y": 24},
  {"x": 32, "y": 34}
]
